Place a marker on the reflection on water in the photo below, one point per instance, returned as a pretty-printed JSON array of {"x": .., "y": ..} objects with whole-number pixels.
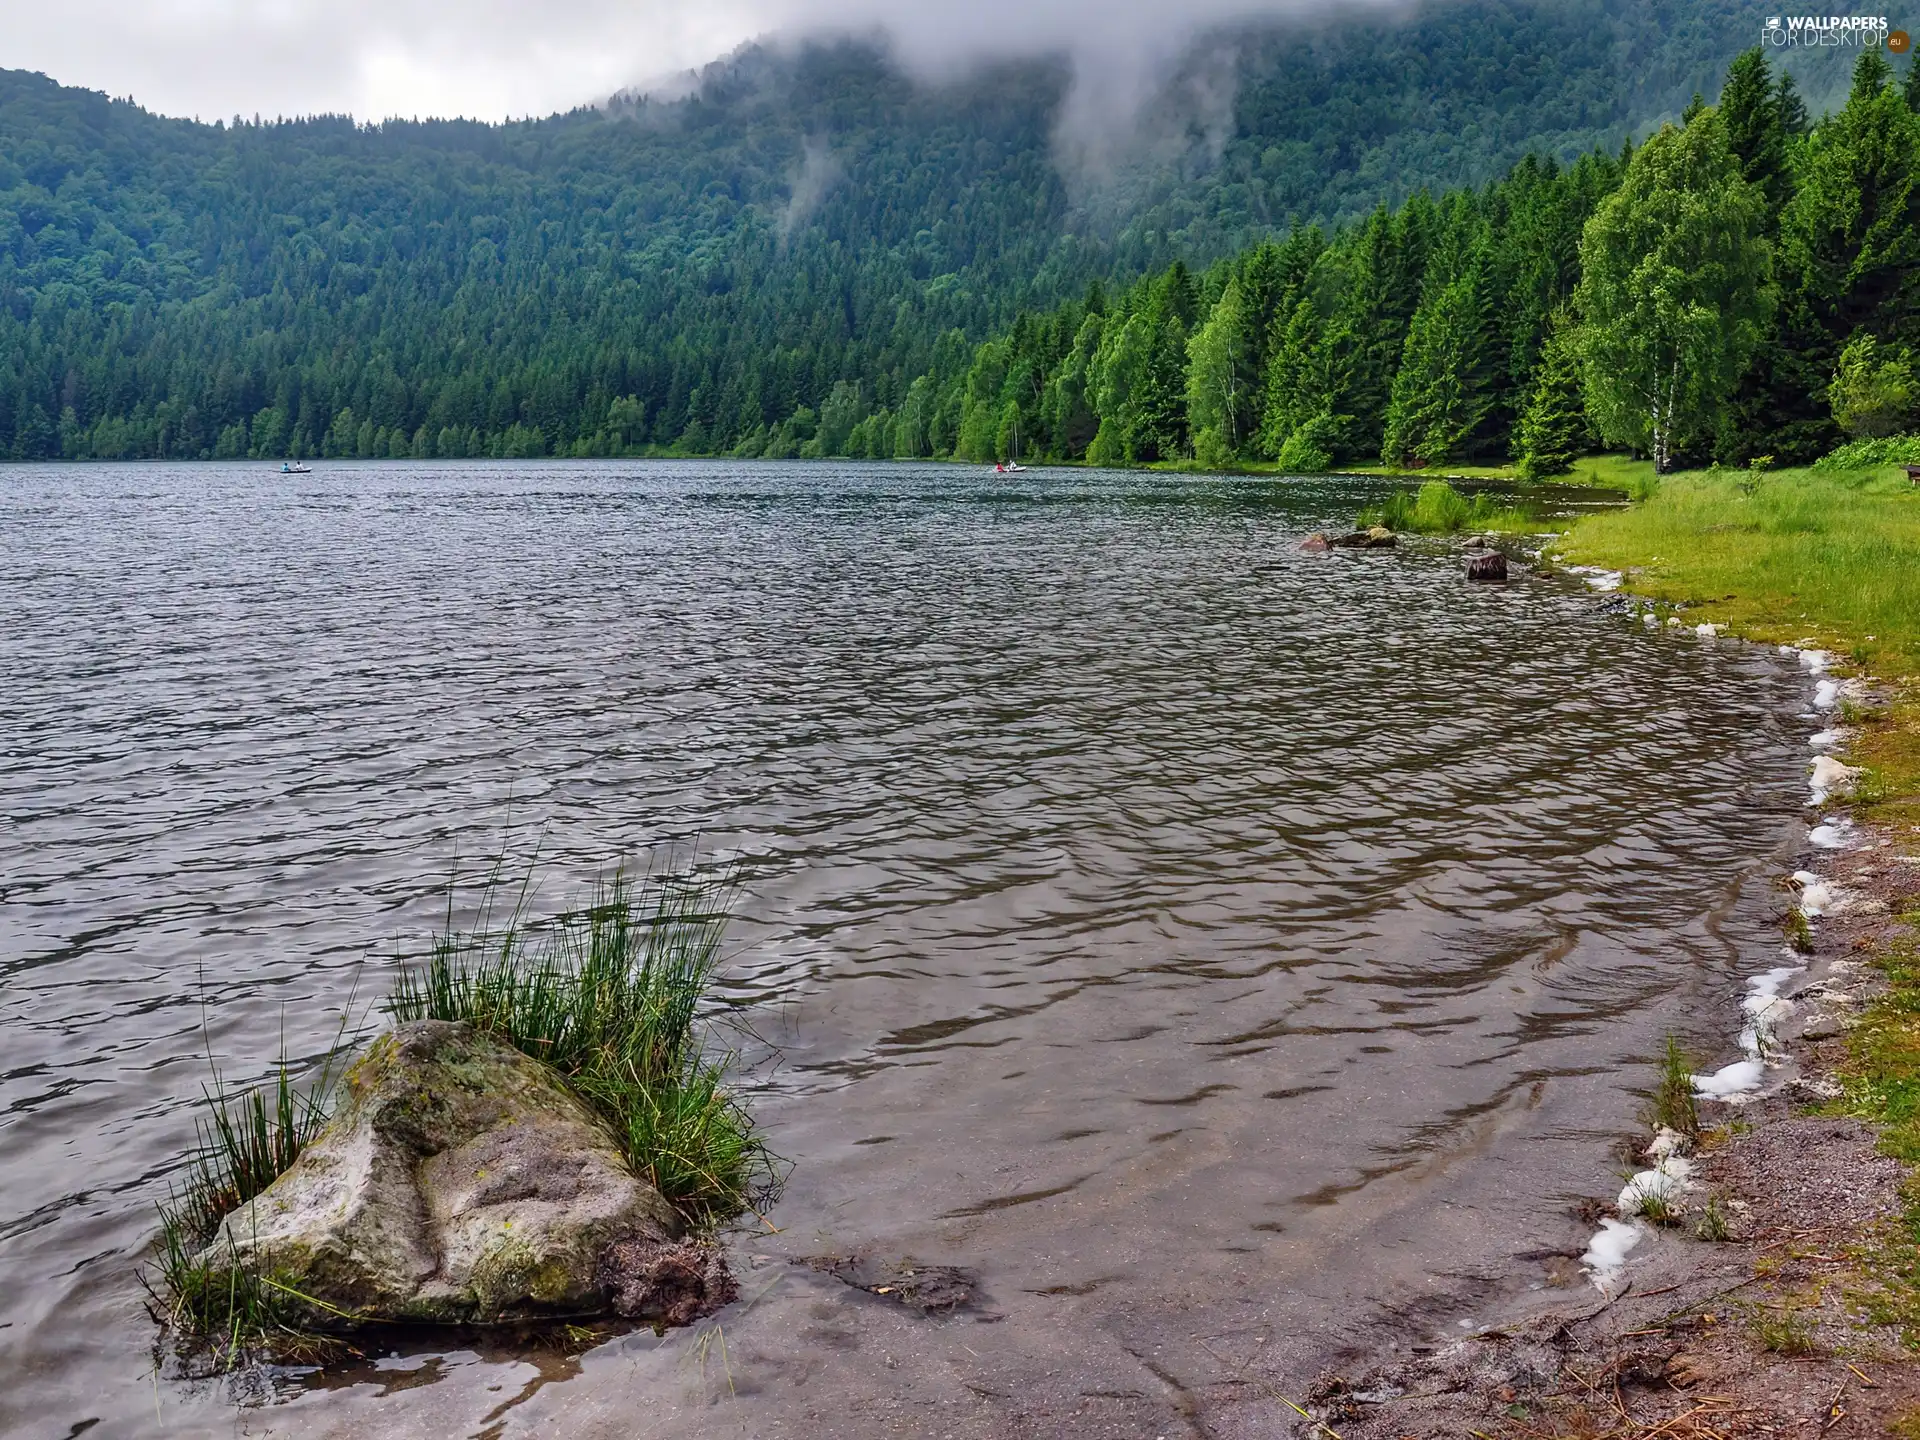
[{"x": 1206, "y": 943}]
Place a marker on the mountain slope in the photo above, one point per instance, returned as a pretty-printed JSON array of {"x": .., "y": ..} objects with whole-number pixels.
[{"x": 686, "y": 272}]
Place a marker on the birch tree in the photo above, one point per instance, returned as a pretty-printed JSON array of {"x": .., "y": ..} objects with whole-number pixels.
[{"x": 1674, "y": 290}]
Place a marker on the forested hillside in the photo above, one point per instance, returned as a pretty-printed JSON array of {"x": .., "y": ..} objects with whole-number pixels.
[
  {"x": 1743, "y": 286},
  {"x": 810, "y": 235}
]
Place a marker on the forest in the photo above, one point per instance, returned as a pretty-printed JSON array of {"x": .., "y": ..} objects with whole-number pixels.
[
  {"x": 1740, "y": 288},
  {"x": 815, "y": 254}
]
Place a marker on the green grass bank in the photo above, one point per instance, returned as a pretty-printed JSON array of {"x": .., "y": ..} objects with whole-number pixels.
[{"x": 1784, "y": 556}]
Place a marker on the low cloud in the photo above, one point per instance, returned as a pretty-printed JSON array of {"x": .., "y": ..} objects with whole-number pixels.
[
  {"x": 818, "y": 172},
  {"x": 495, "y": 58}
]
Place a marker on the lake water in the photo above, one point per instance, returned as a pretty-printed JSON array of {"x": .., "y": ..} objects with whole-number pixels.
[{"x": 1222, "y": 950}]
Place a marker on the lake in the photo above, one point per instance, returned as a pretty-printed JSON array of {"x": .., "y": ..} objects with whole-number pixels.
[{"x": 1233, "y": 955}]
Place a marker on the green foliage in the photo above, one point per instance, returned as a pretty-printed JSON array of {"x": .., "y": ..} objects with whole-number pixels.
[
  {"x": 1873, "y": 392},
  {"x": 1870, "y": 454},
  {"x": 1309, "y": 449},
  {"x": 1672, "y": 1104},
  {"x": 813, "y": 256},
  {"x": 1553, "y": 431},
  {"x": 1673, "y": 290},
  {"x": 1784, "y": 1332},
  {"x": 1712, "y": 1224},
  {"x": 1220, "y": 373},
  {"x": 609, "y": 997},
  {"x": 1438, "y": 509}
]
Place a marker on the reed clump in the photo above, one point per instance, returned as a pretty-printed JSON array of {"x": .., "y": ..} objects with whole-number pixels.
[
  {"x": 609, "y": 997},
  {"x": 1439, "y": 509},
  {"x": 1673, "y": 1104},
  {"x": 215, "y": 1308}
]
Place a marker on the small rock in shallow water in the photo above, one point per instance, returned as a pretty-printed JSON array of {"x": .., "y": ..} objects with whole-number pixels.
[
  {"x": 1381, "y": 538},
  {"x": 925, "y": 1288}
]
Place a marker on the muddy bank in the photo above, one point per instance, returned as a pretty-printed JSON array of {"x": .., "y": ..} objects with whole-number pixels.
[{"x": 1788, "y": 1313}]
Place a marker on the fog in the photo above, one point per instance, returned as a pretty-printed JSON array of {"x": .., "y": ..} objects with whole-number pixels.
[{"x": 493, "y": 59}]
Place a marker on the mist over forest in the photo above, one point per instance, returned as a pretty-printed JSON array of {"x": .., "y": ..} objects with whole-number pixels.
[{"x": 810, "y": 218}]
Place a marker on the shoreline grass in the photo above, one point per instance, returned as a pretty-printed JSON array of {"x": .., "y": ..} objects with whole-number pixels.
[
  {"x": 608, "y": 996},
  {"x": 1826, "y": 557},
  {"x": 1439, "y": 509},
  {"x": 1830, "y": 557}
]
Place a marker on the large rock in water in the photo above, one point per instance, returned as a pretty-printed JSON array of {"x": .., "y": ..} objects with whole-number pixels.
[{"x": 461, "y": 1182}]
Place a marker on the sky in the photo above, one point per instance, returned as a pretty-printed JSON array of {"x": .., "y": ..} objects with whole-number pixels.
[{"x": 492, "y": 59}]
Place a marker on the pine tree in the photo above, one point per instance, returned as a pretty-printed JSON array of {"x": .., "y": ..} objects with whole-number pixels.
[
  {"x": 1294, "y": 392},
  {"x": 1445, "y": 386},
  {"x": 1439, "y": 394},
  {"x": 1160, "y": 429}
]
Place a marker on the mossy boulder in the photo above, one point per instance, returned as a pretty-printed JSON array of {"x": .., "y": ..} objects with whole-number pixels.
[{"x": 461, "y": 1182}]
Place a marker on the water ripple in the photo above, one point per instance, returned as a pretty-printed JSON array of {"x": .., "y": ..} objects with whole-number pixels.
[{"x": 1059, "y": 800}]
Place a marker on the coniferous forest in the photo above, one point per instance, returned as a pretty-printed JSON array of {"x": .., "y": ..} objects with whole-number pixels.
[{"x": 815, "y": 256}]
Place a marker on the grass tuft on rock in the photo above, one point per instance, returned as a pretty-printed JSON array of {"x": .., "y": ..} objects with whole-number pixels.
[
  {"x": 247, "y": 1140},
  {"x": 610, "y": 997}
]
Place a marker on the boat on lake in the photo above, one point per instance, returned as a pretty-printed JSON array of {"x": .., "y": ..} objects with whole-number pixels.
[{"x": 294, "y": 467}]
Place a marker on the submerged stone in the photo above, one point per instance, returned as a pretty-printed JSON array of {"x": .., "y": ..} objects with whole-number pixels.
[{"x": 461, "y": 1182}]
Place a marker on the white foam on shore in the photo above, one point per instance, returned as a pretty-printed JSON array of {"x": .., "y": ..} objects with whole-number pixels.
[
  {"x": 1606, "y": 1254},
  {"x": 1706, "y": 632},
  {"x": 1835, "y": 834},
  {"x": 1824, "y": 739},
  {"x": 1828, "y": 777},
  {"x": 1729, "y": 1082},
  {"x": 1666, "y": 1141},
  {"x": 1763, "y": 1007},
  {"x": 1814, "y": 662},
  {"x": 1664, "y": 1184},
  {"x": 1598, "y": 578},
  {"x": 1816, "y": 896}
]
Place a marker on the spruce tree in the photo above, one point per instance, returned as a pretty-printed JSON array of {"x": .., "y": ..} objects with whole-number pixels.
[
  {"x": 1553, "y": 432},
  {"x": 1750, "y": 107},
  {"x": 1293, "y": 391},
  {"x": 1850, "y": 238}
]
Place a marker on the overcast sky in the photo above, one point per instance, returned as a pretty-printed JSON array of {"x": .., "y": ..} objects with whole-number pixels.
[{"x": 495, "y": 58}]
